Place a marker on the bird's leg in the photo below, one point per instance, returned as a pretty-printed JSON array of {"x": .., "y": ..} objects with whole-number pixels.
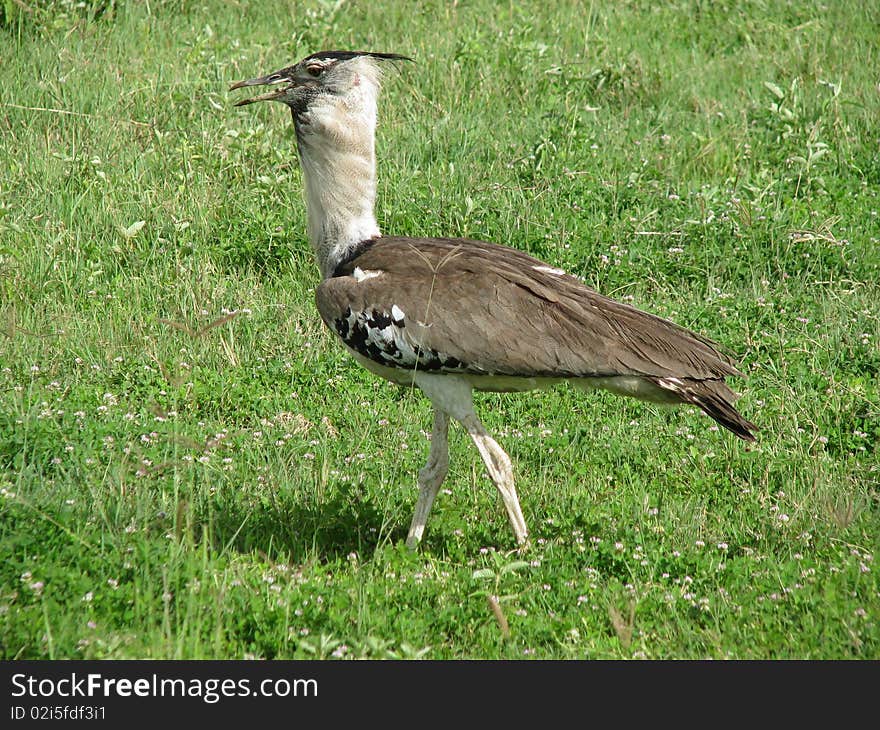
[
  {"x": 500, "y": 470},
  {"x": 430, "y": 477},
  {"x": 454, "y": 395}
]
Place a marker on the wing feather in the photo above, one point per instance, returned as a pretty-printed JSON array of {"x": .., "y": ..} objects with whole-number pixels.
[{"x": 477, "y": 307}]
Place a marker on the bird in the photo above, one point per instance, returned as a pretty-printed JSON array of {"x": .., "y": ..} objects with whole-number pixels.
[{"x": 451, "y": 316}]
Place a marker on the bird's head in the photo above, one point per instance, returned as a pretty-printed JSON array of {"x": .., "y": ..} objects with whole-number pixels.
[{"x": 338, "y": 74}]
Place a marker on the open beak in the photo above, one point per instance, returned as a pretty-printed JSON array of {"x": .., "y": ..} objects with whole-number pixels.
[{"x": 275, "y": 78}]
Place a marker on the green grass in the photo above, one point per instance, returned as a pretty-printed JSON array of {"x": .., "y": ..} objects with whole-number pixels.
[{"x": 190, "y": 466}]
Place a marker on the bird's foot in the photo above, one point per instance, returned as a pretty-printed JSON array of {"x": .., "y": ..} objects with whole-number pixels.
[{"x": 412, "y": 541}]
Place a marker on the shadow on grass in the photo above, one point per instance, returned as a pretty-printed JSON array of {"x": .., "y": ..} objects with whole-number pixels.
[{"x": 325, "y": 530}]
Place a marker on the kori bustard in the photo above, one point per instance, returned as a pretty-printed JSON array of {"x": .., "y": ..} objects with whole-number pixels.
[{"x": 452, "y": 315}]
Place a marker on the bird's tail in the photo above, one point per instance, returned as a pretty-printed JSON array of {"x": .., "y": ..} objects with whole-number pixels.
[{"x": 713, "y": 397}]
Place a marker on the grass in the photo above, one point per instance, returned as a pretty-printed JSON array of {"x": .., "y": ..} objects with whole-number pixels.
[{"x": 191, "y": 467}]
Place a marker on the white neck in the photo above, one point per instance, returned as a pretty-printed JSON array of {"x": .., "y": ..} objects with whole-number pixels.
[{"x": 336, "y": 141}]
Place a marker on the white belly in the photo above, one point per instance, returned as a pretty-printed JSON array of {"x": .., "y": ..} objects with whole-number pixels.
[{"x": 628, "y": 385}]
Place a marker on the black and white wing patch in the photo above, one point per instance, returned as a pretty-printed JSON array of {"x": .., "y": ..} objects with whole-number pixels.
[{"x": 382, "y": 336}]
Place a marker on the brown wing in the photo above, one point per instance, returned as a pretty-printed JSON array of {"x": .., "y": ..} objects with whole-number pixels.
[{"x": 469, "y": 306}]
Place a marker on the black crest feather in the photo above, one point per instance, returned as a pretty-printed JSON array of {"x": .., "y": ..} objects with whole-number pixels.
[{"x": 348, "y": 55}]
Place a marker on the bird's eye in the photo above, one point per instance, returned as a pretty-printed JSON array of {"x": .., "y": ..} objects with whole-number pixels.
[{"x": 315, "y": 70}]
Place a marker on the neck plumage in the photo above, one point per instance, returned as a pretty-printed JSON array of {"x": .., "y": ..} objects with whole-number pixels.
[{"x": 336, "y": 142}]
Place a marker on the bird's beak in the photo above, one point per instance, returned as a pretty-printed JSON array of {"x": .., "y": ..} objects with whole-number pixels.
[{"x": 275, "y": 78}]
